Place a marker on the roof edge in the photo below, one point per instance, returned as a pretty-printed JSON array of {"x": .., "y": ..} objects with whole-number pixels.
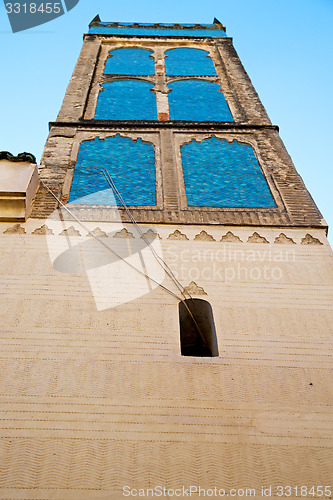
[{"x": 97, "y": 22}]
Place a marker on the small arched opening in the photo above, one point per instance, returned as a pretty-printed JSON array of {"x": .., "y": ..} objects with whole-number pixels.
[{"x": 197, "y": 329}]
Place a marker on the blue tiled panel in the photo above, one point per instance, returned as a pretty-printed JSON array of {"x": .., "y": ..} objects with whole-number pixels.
[
  {"x": 130, "y": 164},
  {"x": 186, "y": 61},
  {"x": 145, "y": 31},
  {"x": 126, "y": 100},
  {"x": 220, "y": 174},
  {"x": 198, "y": 100},
  {"x": 130, "y": 61}
]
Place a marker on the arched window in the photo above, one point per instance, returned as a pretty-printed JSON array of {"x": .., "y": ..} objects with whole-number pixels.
[
  {"x": 222, "y": 174},
  {"x": 197, "y": 100},
  {"x": 197, "y": 329},
  {"x": 130, "y": 61},
  {"x": 126, "y": 100},
  {"x": 188, "y": 61},
  {"x": 131, "y": 165}
]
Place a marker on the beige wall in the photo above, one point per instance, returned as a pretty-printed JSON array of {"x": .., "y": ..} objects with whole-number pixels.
[
  {"x": 93, "y": 400},
  {"x": 18, "y": 185}
]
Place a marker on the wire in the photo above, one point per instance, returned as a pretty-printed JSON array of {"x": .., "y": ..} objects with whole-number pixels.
[
  {"x": 169, "y": 272},
  {"x": 159, "y": 259},
  {"x": 105, "y": 245}
]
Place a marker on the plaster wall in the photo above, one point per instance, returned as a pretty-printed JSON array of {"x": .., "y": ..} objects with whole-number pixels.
[
  {"x": 94, "y": 400},
  {"x": 19, "y": 183}
]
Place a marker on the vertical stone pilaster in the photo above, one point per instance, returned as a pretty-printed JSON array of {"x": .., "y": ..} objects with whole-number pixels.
[
  {"x": 163, "y": 113},
  {"x": 169, "y": 172},
  {"x": 78, "y": 89},
  {"x": 244, "y": 95}
]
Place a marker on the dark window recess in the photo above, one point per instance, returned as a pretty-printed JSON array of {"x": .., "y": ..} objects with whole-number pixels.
[{"x": 197, "y": 336}]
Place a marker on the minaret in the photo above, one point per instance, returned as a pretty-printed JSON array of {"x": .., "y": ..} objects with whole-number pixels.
[{"x": 168, "y": 303}]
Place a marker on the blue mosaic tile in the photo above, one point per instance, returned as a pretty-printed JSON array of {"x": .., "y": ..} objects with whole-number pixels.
[
  {"x": 130, "y": 61},
  {"x": 131, "y": 164},
  {"x": 198, "y": 100},
  {"x": 188, "y": 61},
  {"x": 126, "y": 100},
  {"x": 220, "y": 174},
  {"x": 146, "y": 31}
]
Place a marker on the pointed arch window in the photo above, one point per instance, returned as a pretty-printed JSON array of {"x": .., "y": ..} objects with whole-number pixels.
[
  {"x": 131, "y": 165},
  {"x": 222, "y": 174},
  {"x": 197, "y": 100},
  {"x": 197, "y": 329},
  {"x": 126, "y": 100},
  {"x": 130, "y": 61},
  {"x": 188, "y": 61}
]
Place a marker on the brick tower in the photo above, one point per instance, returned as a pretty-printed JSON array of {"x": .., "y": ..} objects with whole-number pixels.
[{"x": 167, "y": 308}]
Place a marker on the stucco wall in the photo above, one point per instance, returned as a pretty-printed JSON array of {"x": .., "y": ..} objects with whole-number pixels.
[{"x": 93, "y": 400}]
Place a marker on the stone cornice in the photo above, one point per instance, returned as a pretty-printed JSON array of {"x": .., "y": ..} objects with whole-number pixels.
[{"x": 175, "y": 124}]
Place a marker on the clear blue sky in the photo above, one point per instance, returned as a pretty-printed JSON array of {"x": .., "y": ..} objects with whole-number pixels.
[{"x": 286, "y": 47}]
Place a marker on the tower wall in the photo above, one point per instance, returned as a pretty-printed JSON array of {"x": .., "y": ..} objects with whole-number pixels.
[{"x": 96, "y": 395}]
